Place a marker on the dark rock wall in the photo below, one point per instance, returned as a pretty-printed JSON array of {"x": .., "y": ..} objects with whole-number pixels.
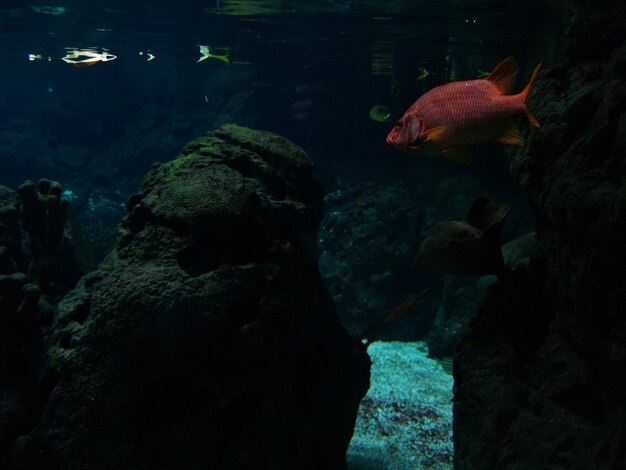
[
  {"x": 37, "y": 267},
  {"x": 367, "y": 248},
  {"x": 540, "y": 376},
  {"x": 207, "y": 340}
]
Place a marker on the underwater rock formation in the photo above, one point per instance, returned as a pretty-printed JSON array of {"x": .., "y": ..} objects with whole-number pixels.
[
  {"x": 25, "y": 314},
  {"x": 32, "y": 243},
  {"x": 405, "y": 420},
  {"x": 539, "y": 375},
  {"x": 367, "y": 243},
  {"x": 10, "y": 233},
  {"x": 457, "y": 304},
  {"x": 42, "y": 215},
  {"x": 206, "y": 339}
]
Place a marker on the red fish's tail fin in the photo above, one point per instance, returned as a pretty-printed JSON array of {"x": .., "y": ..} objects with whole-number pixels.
[{"x": 524, "y": 95}]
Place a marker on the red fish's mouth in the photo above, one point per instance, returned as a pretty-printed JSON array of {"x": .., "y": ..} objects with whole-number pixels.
[
  {"x": 398, "y": 137},
  {"x": 392, "y": 138},
  {"x": 406, "y": 133},
  {"x": 400, "y": 141}
]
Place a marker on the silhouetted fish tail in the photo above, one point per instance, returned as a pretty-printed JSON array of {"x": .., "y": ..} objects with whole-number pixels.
[{"x": 524, "y": 95}]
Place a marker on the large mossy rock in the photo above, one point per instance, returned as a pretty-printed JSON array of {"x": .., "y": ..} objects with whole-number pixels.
[
  {"x": 540, "y": 377},
  {"x": 208, "y": 340}
]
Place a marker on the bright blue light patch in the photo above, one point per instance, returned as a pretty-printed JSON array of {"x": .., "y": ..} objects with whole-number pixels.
[{"x": 69, "y": 195}]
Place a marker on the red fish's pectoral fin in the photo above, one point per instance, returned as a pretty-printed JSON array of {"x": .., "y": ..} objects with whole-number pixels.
[
  {"x": 432, "y": 134},
  {"x": 511, "y": 135},
  {"x": 504, "y": 75},
  {"x": 460, "y": 155}
]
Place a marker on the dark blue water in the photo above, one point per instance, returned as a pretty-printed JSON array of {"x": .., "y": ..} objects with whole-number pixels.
[{"x": 308, "y": 70}]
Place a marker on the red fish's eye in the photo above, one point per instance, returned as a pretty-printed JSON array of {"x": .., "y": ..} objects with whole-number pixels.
[{"x": 399, "y": 124}]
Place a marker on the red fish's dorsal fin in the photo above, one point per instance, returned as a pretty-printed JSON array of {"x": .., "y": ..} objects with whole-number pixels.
[{"x": 504, "y": 75}]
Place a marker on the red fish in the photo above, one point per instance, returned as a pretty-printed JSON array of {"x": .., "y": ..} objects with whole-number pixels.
[{"x": 450, "y": 117}]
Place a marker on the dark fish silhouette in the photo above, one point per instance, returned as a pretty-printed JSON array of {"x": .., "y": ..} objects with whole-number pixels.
[{"x": 470, "y": 247}]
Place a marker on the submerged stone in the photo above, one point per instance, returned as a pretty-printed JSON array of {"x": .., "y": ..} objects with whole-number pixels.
[
  {"x": 405, "y": 420},
  {"x": 207, "y": 340}
]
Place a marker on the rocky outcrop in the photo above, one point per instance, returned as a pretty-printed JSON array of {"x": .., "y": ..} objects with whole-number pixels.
[
  {"x": 405, "y": 420},
  {"x": 32, "y": 248},
  {"x": 367, "y": 246},
  {"x": 207, "y": 340},
  {"x": 539, "y": 377}
]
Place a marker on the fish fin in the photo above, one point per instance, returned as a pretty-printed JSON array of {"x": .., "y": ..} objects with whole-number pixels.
[
  {"x": 484, "y": 215},
  {"x": 524, "y": 95},
  {"x": 479, "y": 213},
  {"x": 504, "y": 75},
  {"x": 511, "y": 134},
  {"x": 433, "y": 133},
  {"x": 492, "y": 233},
  {"x": 223, "y": 58},
  {"x": 460, "y": 155}
]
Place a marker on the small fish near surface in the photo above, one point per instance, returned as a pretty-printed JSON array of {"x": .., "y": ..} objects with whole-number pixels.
[
  {"x": 450, "y": 117},
  {"x": 380, "y": 113},
  {"x": 469, "y": 247}
]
